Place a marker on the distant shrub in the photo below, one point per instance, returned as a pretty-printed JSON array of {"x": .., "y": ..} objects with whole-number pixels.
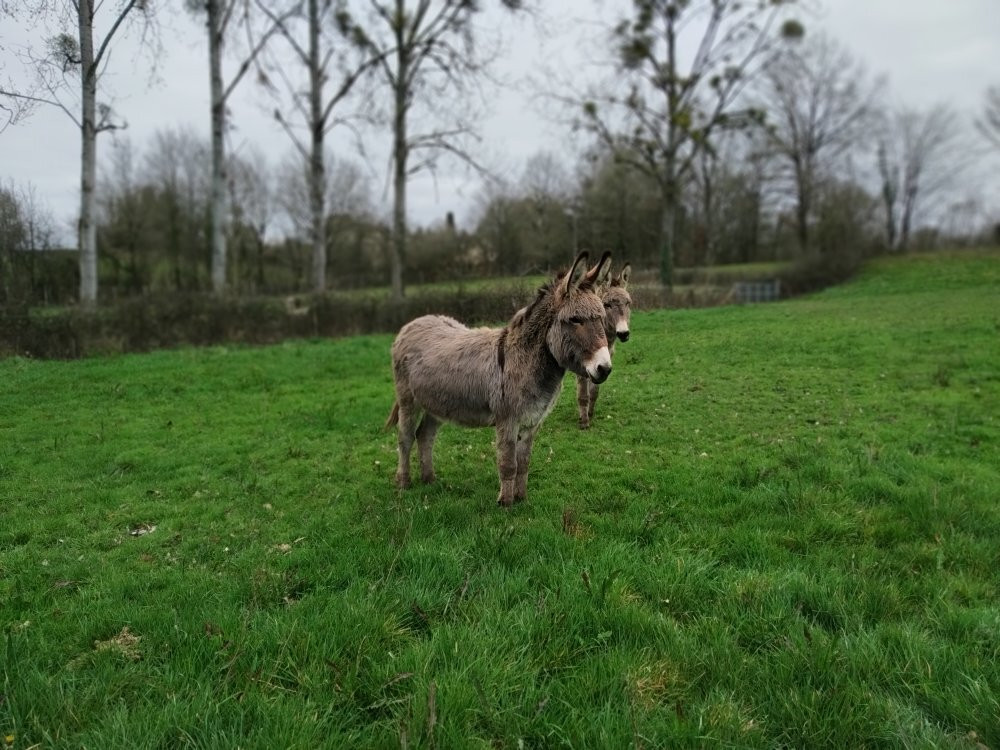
[
  {"x": 819, "y": 272},
  {"x": 157, "y": 321},
  {"x": 154, "y": 322}
]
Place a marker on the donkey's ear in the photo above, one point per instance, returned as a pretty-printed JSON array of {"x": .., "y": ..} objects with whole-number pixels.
[
  {"x": 623, "y": 277},
  {"x": 600, "y": 271},
  {"x": 578, "y": 265},
  {"x": 604, "y": 269}
]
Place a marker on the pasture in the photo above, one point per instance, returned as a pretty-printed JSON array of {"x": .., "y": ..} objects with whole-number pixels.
[{"x": 782, "y": 530}]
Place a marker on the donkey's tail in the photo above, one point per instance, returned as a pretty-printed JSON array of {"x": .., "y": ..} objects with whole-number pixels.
[{"x": 393, "y": 416}]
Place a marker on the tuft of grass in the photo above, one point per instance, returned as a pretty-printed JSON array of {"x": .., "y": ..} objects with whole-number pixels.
[{"x": 782, "y": 530}]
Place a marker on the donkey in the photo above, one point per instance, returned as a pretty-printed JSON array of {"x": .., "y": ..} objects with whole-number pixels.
[
  {"x": 508, "y": 378},
  {"x": 617, "y": 309}
]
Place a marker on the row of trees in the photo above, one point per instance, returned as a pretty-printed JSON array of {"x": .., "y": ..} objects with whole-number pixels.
[
  {"x": 411, "y": 49},
  {"x": 768, "y": 142},
  {"x": 740, "y": 205}
]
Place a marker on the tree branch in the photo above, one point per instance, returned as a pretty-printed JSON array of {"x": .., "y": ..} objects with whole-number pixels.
[
  {"x": 111, "y": 32},
  {"x": 39, "y": 100}
]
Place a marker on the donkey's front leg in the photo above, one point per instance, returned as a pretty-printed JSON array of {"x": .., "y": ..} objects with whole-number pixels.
[
  {"x": 523, "y": 454},
  {"x": 594, "y": 390},
  {"x": 583, "y": 401},
  {"x": 507, "y": 463}
]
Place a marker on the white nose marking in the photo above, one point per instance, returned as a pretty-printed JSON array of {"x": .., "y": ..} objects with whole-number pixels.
[
  {"x": 621, "y": 327},
  {"x": 602, "y": 357}
]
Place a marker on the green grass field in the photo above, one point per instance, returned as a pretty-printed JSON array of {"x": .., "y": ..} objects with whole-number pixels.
[{"x": 783, "y": 531}]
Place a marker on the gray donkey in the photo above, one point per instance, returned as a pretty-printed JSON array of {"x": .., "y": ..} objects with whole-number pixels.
[
  {"x": 508, "y": 378},
  {"x": 617, "y": 309}
]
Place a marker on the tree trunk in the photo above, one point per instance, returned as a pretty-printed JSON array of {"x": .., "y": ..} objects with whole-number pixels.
[
  {"x": 88, "y": 176},
  {"x": 400, "y": 153},
  {"x": 668, "y": 234},
  {"x": 668, "y": 184},
  {"x": 803, "y": 205},
  {"x": 398, "y": 250},
  {"x": 219, "y": 206},
  {"x": 888, "y": 196},
  {"x": 906, "y": 221},
  {"x": 668, "y": 221},
  {"x": 708, "y": 213},
  {"x": 317, "y": 169}
]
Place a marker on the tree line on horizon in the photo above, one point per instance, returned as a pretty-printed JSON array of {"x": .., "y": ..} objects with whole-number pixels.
[{"x": 771, "y": 143}]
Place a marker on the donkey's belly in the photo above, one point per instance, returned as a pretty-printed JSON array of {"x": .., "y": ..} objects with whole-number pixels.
[{"x": 456, "y": 402}]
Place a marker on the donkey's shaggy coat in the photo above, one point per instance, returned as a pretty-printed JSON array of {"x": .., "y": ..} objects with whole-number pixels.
[
  {"x": 618, "y": 310},
  {"x": 506, "y": 377}
]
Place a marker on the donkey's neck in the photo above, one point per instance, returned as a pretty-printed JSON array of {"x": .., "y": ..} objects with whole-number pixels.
[{"x": 527, "y": 335}]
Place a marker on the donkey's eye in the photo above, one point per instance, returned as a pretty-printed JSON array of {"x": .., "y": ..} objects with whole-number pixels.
[
  {"x": 576, "y": 320},
  {"x": 607, "y": 305}
]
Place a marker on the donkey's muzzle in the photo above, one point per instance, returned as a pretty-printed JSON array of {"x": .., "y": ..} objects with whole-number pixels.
[
  {"x": 600, "y": 373},
  {"x": 598, "y": 367},
  {"x": 622, "y": 335}
]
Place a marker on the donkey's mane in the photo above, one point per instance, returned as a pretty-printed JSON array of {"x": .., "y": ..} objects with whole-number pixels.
[{"x": 547, "y": 290}]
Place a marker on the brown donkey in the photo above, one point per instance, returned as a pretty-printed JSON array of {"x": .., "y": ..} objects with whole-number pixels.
[
  {"x": 508, "y": 378},
  {"x": 617, "y": 309}
]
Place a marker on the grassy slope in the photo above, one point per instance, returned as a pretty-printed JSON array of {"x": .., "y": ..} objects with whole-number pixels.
[{"x": 783, "y": 530}]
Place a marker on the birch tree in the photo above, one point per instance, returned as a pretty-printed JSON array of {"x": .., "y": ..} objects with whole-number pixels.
[
  {"x": 221, "y": 19},
  {"x": 335, "y": 55},
  {"x": 68, "y": 76},
  {"x": 988, "y": 122},
  {"x": 427, "y": 53},
  {"x": 662, "y": 110}
]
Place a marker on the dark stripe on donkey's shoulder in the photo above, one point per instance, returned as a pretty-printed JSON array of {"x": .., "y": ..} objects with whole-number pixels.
[{"x": 501, "y": 351}]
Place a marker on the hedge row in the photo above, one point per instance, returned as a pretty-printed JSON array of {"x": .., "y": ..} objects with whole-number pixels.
[{"x": 154, "y": 322}]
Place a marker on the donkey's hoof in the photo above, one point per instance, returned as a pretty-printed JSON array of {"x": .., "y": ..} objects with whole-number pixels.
[
  {"x": 428, "y": 478},
  {"x": 584, "y": 424},
  {"x": 403, "y": 483},
  {"x": 505, "y": 502}
]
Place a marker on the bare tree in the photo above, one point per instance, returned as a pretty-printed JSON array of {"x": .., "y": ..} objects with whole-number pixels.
[
  {"x": 726, "y": 201},
  {"x": 426, "y": 51},
  {"x": 349, "y": 191},
  {"x": 917, "y": 158},
  {"x": 26, "y": 226},
  {"x": 220, "y": 19},
  {"x": 81, "y": 54},
  {"x": 819, "y": 101},
  {"x": 988, "y": 123},
  {"x": 334, "y": 52},
  {"x": 124, "y": 214},
  {"x": 176, "y": 165},
  {"x": 500, "y": 228},
  {"x": 545, "y": 178},
  {"x": 12, "y": 108},
  {"x": 547, "y": 188},
  {"x": 669, "y": 111},
  {"x": 253, "y": 203}
]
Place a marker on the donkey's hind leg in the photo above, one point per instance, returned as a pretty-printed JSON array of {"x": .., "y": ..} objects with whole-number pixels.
[
  {"x": 408, "y": 416},
  {"x": 426, "y": 433}
]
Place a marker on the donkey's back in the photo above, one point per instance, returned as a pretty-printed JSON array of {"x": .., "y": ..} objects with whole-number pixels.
[{"x": 447, "y": 369}]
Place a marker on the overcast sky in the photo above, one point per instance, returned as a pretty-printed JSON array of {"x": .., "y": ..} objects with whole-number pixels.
[{"x": 930, "y": 51}]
